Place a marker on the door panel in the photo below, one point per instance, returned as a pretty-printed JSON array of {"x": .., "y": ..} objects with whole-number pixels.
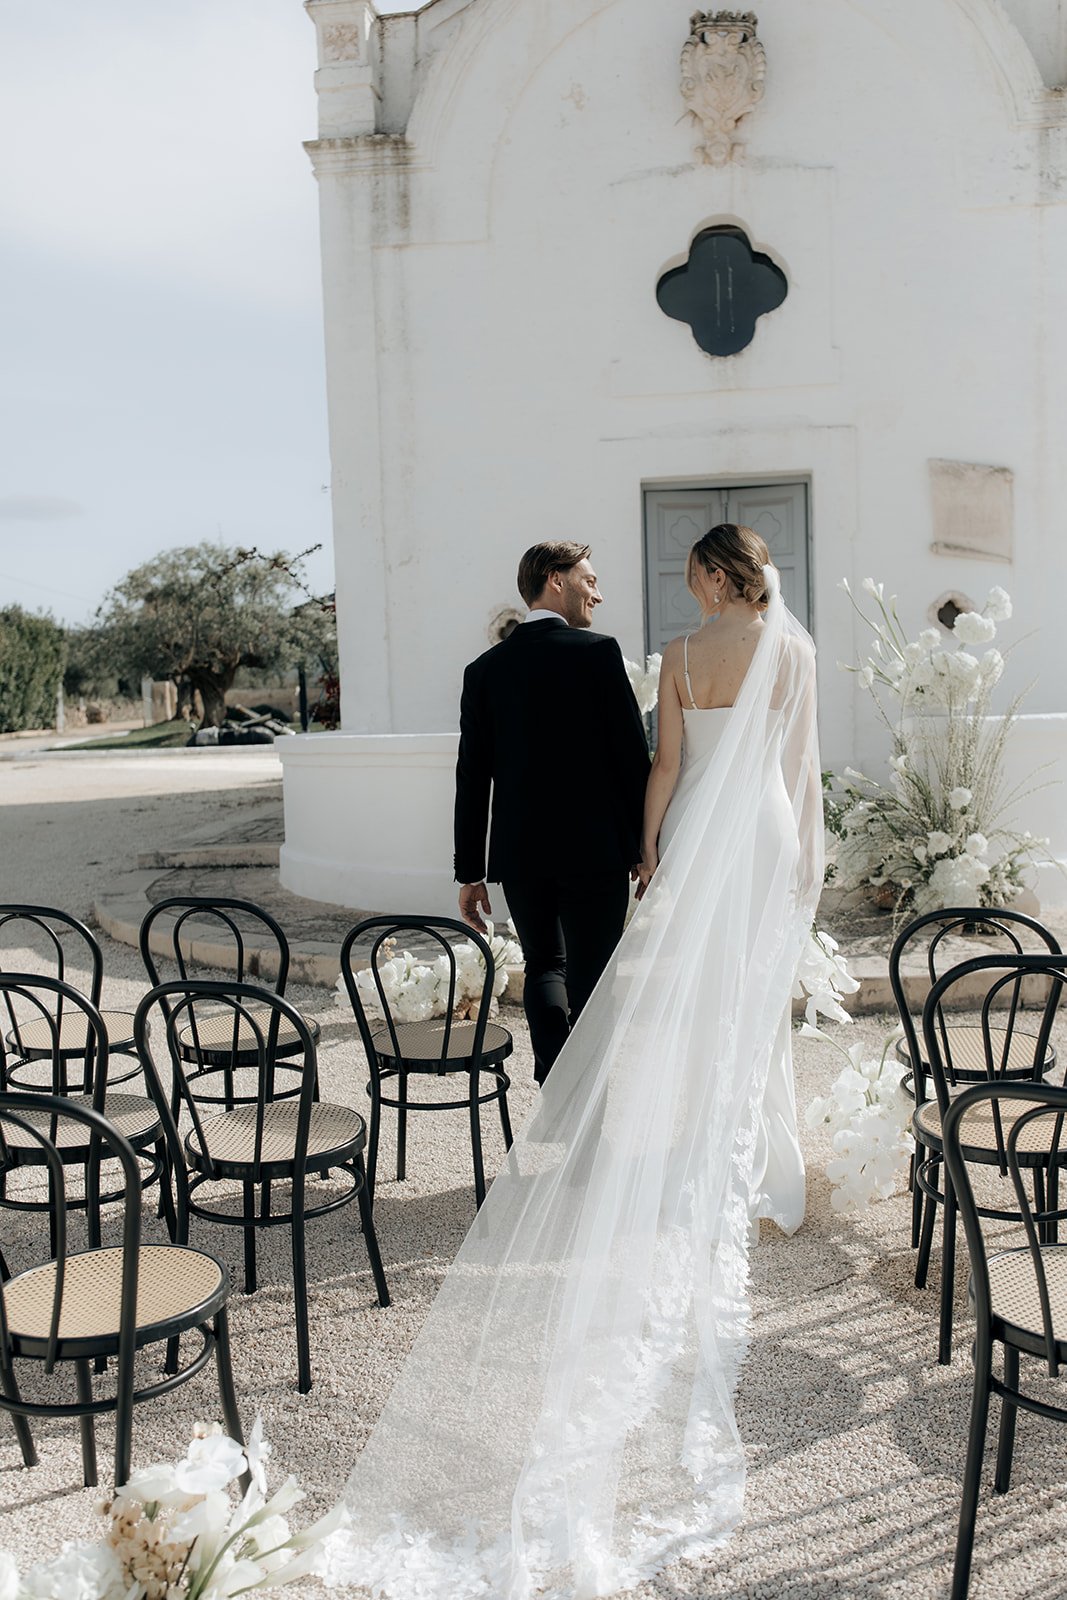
[
  {"x": 779, "y": 514},
  {"x": 676, "y": 518}
]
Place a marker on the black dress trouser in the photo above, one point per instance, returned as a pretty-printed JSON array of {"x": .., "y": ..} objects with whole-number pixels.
[{"x": 568, "y": 925}]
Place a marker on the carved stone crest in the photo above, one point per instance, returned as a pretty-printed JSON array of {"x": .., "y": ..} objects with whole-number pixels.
[
  {"x": 723, "y": 67},
  {"x": 340, "y": 42}
]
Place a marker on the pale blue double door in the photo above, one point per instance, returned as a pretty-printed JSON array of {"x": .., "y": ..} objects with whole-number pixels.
[{"x": 676, "y": 518}]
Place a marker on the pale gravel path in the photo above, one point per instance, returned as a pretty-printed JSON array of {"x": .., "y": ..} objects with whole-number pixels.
[{"x": 856, "y": 1435}]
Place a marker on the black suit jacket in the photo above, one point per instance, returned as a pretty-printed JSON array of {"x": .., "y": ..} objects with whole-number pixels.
[{"x": 548, "y": 720}]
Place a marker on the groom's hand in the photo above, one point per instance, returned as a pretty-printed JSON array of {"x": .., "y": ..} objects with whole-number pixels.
[{"x": 473, "y": 901}]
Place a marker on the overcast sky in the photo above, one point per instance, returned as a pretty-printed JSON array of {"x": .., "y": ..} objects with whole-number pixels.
[{"x": 162, "y": 370}]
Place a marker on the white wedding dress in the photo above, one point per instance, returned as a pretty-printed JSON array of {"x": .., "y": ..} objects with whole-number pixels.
[
  {"x": 778, "y": 1168},
  {"x": 564, "y": 1424}
]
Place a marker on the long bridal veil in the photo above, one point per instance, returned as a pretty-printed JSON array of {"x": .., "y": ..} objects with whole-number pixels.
[{"x": 564, "y": 1423}]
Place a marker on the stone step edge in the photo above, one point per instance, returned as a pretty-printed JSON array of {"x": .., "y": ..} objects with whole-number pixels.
[{"x": 215, "y": 855}]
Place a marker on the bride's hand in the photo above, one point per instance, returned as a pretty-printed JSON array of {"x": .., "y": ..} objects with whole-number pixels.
[{"x": 643, "y": 873}]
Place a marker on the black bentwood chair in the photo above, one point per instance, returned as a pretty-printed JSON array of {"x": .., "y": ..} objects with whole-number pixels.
[
  {"x": 437, "y": 1047},
  {"x": 64, "y": 942},
  {"x": 53, "y": 1010},
  {"x": 259, "y": 1140},
  {"x": 1019, "y": 1293},
  {"x": 1005, "y": 931},
  {"x": 219, "y": 1042},
  {"x": 1003, "y": 980},
  {"x": 90, "y": 1306}
]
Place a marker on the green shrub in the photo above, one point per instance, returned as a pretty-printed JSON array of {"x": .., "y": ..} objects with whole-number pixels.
[{"x": 31, "y": 669}]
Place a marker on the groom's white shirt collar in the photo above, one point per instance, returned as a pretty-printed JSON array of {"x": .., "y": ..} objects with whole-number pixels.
[{"x": 541, "y": 614}]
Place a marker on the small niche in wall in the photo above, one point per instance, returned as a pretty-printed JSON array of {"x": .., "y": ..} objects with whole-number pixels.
[
  {"x": 504, "y": 624},
  {"x": 949, "y": 607}
]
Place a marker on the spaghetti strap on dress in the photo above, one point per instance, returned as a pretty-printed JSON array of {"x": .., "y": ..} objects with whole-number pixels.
[{"x": 688, "y": 684}]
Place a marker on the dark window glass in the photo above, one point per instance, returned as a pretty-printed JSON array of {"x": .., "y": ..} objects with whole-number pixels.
[{"x": 722, "y": 290}]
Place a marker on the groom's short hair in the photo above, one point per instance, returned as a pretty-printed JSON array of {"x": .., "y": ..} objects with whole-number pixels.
[{"x": 555, "y": 555}]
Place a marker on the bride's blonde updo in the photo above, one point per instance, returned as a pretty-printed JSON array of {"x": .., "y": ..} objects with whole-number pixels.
[{"x": 740, "y": 553}]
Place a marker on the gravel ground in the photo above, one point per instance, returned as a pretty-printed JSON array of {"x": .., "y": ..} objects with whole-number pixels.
[{"x": 856, "y": 1436}]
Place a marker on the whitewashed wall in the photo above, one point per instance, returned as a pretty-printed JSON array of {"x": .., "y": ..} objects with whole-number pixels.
[{"x": 502, "y": 186}]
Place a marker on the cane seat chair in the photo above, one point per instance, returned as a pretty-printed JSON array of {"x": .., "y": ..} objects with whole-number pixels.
[
  {"x": 245, "y": 939},
  {"x": 241, "y": 1152},
  {"x": 438, "y": 1047},
  {"x": 1003, "y": 979},
  {"x": 101, "y": 1305},
  {"x": 81, "y": 1079},
  {"x": 939, "y": 934},
  {"x": 1018, "y": 1290},
  {"x": 65, "y": 944}
]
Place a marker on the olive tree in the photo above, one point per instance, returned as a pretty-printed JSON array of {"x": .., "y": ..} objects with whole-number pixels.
[{"x": 196, "y": 614}]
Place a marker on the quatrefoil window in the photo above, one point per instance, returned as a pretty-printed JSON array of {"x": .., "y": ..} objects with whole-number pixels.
[{"x": 722, "y": 290}]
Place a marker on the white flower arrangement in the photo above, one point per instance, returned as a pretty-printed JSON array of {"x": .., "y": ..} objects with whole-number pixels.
[
  {"x": 416, "y": 991},
  {"x": 644, "y": 681},
  {"x": 176, "y": 1533},
  {"x": 869, "y": 1117},
  {"x": 823, "y": 979},
  {"x": 933, "y": 835}
]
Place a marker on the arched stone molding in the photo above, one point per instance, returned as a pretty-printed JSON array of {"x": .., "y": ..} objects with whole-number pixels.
[
  {"x": 469, "y": 91},
  {"x": 1009, "y": 58}
]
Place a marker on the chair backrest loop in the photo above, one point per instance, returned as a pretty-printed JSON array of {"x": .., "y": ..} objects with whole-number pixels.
[{"x": 442, "y": 934}]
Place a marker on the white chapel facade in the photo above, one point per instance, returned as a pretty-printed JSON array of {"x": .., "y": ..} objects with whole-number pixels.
[{"x": 617, "y": 270}]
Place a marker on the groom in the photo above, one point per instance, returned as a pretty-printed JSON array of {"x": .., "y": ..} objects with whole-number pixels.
[{"x": 549, "y": 722}]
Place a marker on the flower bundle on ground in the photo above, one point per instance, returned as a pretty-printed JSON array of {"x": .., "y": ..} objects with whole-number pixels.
[
  {"x": 869, "y": 1117},
  {"x": 934, "y": 835},
  {"x": 418, "y": 990},
  {"x": 175, "y": 1532}
]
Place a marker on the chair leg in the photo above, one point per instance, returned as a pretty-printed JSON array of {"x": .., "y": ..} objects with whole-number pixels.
[
  {"x": 476, "y": 1143},
  {"x": 21, "y": 1424},
  {"x": 926, "y": 1240},
  {"x": 300, "y": 1298},
  {"x": 374, "y": 1255},
  {"x": 88, "y": 1431},
  {"x": 372, "y": 1143},
  {"x": 165, "y": 1204},
  {"x": 917, "y": 1196},
  {"x": 1039, "y": 1203},
  {"x": 972, "y": 1473},
  {"x": 1008, "y": 1413},
  {"x": 402, "y": 1128},
  {"x": 948, "y": 1275},
  {"x": 505, "y": 1120},
  {"x": 227, "y": 1393},
  {"x": 250, "y": 1235}
]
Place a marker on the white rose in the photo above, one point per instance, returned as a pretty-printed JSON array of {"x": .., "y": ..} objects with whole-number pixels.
[
  {"x": 937, "y": 843},
  {"x": 991, "y": 667},
  {"x": 998, "y": 607},
  {"x": 929, "y": 640},
  {"x": 970, "y": 627},
  {"x": 959, "y": 799},
  {"x": 977, "y": 845}
]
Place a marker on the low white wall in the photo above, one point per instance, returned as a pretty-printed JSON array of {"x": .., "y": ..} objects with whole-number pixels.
[
  {"x": 1036, "y": 764},
  {"x": 368, "y": 820}
]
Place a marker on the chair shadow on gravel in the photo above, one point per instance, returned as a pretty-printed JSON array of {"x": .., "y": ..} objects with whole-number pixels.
[{"x": 868, "y": 1555}]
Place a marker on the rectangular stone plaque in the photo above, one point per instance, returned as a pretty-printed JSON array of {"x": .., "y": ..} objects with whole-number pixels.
[{"x": 972, "y": 510}]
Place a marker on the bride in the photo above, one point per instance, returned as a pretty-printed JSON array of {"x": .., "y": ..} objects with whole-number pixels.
[{"x": 564, "y": 1425}]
